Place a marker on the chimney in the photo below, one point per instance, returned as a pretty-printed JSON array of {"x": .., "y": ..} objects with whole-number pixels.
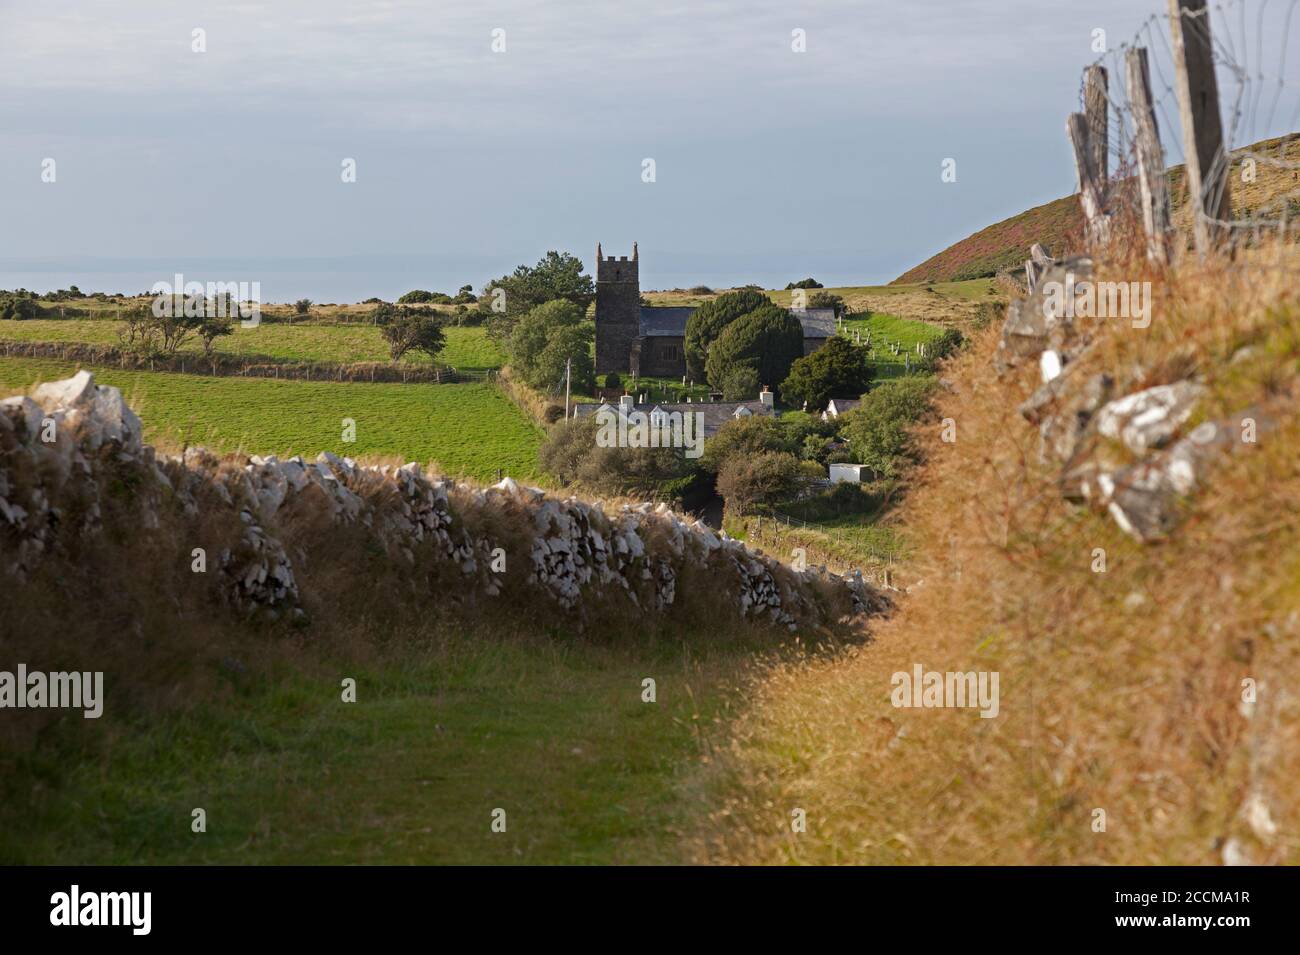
[
  {"x": 625, "y": 404},
  {"x": 767, "y": 398}
]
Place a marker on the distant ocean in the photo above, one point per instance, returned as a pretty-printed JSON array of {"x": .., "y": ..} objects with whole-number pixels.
[
  {"x": 339, "y": 288},
  {"x": 347, "y": 281}
]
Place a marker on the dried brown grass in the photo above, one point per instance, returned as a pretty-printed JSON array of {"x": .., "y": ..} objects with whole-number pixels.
[{"x": 1120, "y": 691}]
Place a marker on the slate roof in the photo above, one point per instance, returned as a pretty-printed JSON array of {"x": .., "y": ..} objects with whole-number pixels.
[
  {"x": 716, "y": 413},
  {"x": 665, "y": 322},
  {"x": 670, "y": 322}
]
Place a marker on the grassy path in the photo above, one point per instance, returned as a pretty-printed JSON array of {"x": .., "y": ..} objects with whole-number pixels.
[{"x": 557, "y": 736}]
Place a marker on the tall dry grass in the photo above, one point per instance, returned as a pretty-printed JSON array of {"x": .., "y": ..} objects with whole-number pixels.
[{"x": 1121, "y": 691}]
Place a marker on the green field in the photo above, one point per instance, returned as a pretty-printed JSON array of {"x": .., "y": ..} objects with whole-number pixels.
[
  {"x": 883, "y": 329},
  {"x": 468, "y": 348},
  {"x": 554, "y": 733},
  {"x": 469, "y": 430}
]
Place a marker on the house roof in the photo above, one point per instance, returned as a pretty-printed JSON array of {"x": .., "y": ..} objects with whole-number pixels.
[
  {"x": 670, "y": 321},
  {"x": 837, "y": 406},
  {"x": 714, "y": 413}
]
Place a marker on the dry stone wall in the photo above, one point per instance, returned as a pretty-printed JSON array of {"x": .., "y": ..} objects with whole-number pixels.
[{"x": 63, "y": 446}]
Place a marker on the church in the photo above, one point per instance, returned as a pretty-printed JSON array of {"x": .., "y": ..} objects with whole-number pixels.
[{"x": 642, "y": 340}]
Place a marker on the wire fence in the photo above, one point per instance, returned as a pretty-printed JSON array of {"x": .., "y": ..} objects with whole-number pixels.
[
  {"x": 1258, "y": 82},
  {"x": 867, "y": 548}
]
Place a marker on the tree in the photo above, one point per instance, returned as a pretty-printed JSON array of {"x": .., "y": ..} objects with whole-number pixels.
[
  {"x": 707, "y": 322},
  {"x": 173, "y": 329},
  {"x": 613, "y": 382},
  {"x": 557, "y": 275},
  {"x": 804, "y": 283},
  {"x": 138, "y": 332},
  {"x": 545, "y": 337},
  {"x": 768, "y": 340},
  {"x": 409, "y": 330},
  {"x": 828, "y": 300},
  {"x": 210, "y": 330},
  {"x": 18, "y": 308},
  {"x": 838, "y": 369},
  {"x": 415, "y": 297},
  {"x": 761, "y": 479},
  {"x": 302, "y": 306},
  {"x": 569, "y": 348},
  {"x": 879, "y": 429}
]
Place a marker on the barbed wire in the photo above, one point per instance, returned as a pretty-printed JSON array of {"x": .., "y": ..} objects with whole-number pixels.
[{"x": 1259, "y": 103}]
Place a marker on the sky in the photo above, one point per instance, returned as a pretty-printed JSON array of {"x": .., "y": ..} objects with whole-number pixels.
[{"x": 769, "y": 164}]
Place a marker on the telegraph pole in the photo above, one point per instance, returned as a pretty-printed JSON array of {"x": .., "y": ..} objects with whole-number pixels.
[{"x": 568, "y": 373}]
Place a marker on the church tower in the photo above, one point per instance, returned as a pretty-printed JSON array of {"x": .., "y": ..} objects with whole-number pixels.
[{"x": 618, "y": 310}]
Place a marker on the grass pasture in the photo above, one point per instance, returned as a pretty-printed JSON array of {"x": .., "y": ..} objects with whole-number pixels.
[
  {"x": 883, "y": 328},
  {"x": 468, "y": 347},
  {"x": 469, "y": 430}
]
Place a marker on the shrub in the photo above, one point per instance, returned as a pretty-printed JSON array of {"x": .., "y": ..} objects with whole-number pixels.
[
  {"x": 745, "y": 437},
  {"x": 415, "y": 297},
  {"x": 740, "y": 384},
  {"x": 700, "y": 290},
  {"x": 571, "y": 455},
  {"x": 761, "y": 479},
  {"x": 302, "y": 306},
  {"x": 613, "y": 382},
  {"x": 804, "y": 283}
]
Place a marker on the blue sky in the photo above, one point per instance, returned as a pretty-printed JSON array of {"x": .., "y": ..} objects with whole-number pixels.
[{"x": 770, "y": 164}]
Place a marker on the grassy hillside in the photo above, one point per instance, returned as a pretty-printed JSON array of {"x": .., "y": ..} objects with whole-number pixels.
[
  {"x": 1122, "y": 686},
  {"x": 470, "y": 430},
  {"x": 951, "y": 304},
  {"x": 1058, "y": 224},
  {"x": 1003, "y": 245}
]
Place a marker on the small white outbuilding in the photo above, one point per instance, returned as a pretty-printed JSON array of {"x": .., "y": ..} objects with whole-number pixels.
[{"x": 848, "y": 472}]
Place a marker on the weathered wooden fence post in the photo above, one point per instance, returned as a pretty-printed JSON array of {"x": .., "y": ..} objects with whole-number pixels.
[
  {"x": 1039, "y": 259},
  {"x": 1091, "y": 190},
  {"x": 1096, "y": 108},
  {"x": 1150, "y": 156},
  {"x": 1198, "y": 109}
]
